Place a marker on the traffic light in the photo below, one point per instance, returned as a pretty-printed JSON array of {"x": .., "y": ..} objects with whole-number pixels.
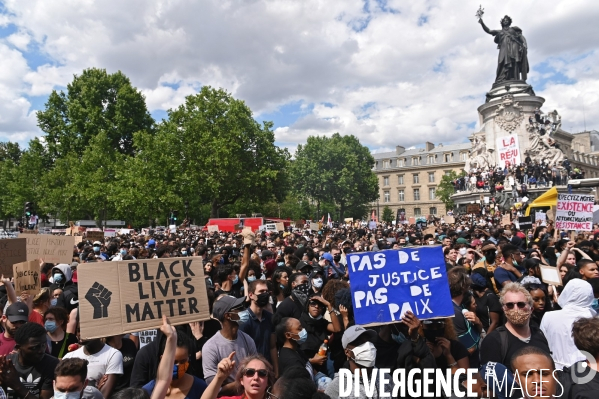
[
  {"x": 175, "y": 215},
  {"x": 29, "y": 209}
]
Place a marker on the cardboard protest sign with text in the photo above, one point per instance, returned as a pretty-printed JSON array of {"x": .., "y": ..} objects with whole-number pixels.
[
  {"x": 574, "y": 212},
  {"x": 12, "y": 251},
  {"x": 27, "y": 277},
  {"x": 52, "y": 249},
  {"x": 386, "y": 284},
  {"x": 213, "y": 229},
  {"x": 95, "y": 236},
  {"x": 122, "y": 297},
  {"x": 280, "y": 226}
]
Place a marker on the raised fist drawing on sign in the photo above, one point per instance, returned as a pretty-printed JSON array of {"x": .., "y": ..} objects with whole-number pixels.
[{"x": 99, "y": 297}]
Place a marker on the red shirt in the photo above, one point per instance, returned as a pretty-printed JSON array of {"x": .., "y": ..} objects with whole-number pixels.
[
  {"x": 35, "y": 317},
  {"x": 6, "y": 345}
]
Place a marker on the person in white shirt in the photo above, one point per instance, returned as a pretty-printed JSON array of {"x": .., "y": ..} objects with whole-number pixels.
[
  {"x": 105, "y": 364},
  {"x": 575, "y": 300}
]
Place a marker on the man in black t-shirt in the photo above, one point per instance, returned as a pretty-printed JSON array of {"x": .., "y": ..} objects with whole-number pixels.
[
  {"x": 30, "y": 371},
  {"x": 500, "y": 345}
]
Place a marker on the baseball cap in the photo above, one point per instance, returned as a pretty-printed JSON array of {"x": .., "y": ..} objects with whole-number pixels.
[
  {"x": 224, "y": 305},
  {"x": 354, "y": 332},
  {"x": 266, "y": 253},
  {"x": 97, "y": 243},
  {"x": 462, "y": 240},
  {"x": 475, "y": 242},
  {"x": 329, "y": 257},
  {"x": 151, "y": 242},
  {"x": 16, "y": 312}
]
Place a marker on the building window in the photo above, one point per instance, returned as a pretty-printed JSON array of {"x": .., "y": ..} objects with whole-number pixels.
[
  {"x": 431, "y": 177},
  {"x": 431, "y": 193},
  {"x": 415, "y": 161},
  {"x": 386, "y": 164},
  {"x": 448, "y": 157},
  {"x": 432, "y": 211},
  {"x": 401, "y": 195},
  {"x": 400, "y": 163},
  {"x": 463, "y": 156},
  {"x": 431, "y": 159},
  {"x": 400, "y": 180},
  {"x": 387, "y": 197},
  {"x": 417, "y": 212},
  {"x": 416, "y": 178},
  {"x": 416, "y": 194},
  {"x": 386, "y": 181},
  {"x": 447, "y": 172}
]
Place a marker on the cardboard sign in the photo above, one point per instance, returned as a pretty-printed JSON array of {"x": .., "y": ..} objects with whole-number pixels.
[
  {"x": 525, "y": 222},
  {"x": 78, "y": 239},
  {"x": 313, "y": 226},
  {"x": 280, "y": 226},
  {"x": 213, "y": 229},
  {"x": 95, "y": 236},
  {"x": 12, "y": 251},
  {"x": 574, "y": 212},
  {"x": 270, "y": 227},
  {"x": 299, "y": 224},
  {"x": 123, "y": 297},
  {"x": 109, "y": 232},
  {"x": 52, "y": 249},
  {"x": 386, "y": 284},
  {"x": 542, "y": 216},
  {"x": 430, "y": 230},
  {"x": 27, "y": 277},
  {"x": 550, "y": 275},
  {"x": 473, "y": 208},
  {"x": 248, "y": 235},
  {"x": 508, "y": 151},
  {"x": 506, "y": 219},
  {"x": 449, "y": 219}
]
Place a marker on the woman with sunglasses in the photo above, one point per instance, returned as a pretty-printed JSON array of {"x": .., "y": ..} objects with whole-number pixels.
[{"x": 254, "y": 376}]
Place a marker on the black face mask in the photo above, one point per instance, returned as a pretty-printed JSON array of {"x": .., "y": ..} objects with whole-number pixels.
[
  {"x": 262, "y": 299},
  {"x": 431, "y": 335},
  {"x": 337, "y": 258}
]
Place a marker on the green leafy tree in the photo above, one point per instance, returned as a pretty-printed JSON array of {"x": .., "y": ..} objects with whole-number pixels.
[
  {"x": 336, "y": 169},
  {"x": 223, "y": 153},
  {"x": 446, "y": 188},
  {"x": 95, "y": 102},
  {"x": 387, "y": 215}
]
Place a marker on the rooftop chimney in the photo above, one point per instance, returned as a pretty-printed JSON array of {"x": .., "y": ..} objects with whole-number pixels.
[
  {"x": 429, "y": 146},
  {"x": 399, "y": 150}
]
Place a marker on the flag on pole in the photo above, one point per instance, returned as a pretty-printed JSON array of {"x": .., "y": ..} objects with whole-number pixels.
[{"x": 329, "y": 221}]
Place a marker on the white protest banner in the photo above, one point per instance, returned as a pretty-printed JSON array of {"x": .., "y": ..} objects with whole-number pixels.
[
  {"x": 550, "y": 275},
  {"x": 52, "y": 249},
  {"x": 542, "y": 216},
  {"x": 270, "y": 227},
  {"x": 12, "y": 251},
  {"x": 122, "y": 297},
  {"x": 27, "y": 277},
  {"x": 508, "y": 151},
  {"x": 574, "y": 212},
  {"x": 109, "y": 232},
  {"x": 213, "y": 228}
]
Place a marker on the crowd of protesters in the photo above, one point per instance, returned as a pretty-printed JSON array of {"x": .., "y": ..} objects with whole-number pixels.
[
  {"x": 518, "y": 178},
  {"x": 282, "y": 322}
]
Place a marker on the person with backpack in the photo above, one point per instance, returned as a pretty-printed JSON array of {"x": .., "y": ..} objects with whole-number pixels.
[{"x": 500, "y": 345}]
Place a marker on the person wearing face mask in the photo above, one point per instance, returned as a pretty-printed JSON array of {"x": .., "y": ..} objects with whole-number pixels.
[
  {"x": 123, "y": 251},
  {"x": 316, "y": 280},
  {"x": 62, "y": 278},
  {"x": 229, "y": 339},
  {"x": 256, "y": 322},
  {"x": 318, "y": 329},
  {"x": 500, "y": 345},
  {"x": 230, "y": 283},
  {"x": 290, "y": 335},
  {"x": 294, "y": 304},
  {"x": 487, "y": 265},
  {"x": 55, "y": 323},
  {"x": 71, "y": 381},
  {"x": 97, "y": 248},
  {"x": 361, "y": 355},
  {"x": 576, "y": 301}
]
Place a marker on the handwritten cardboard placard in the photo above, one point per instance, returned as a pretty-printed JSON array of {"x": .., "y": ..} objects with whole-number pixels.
[
  {"x": 506, "y": 219},
  {"x": 27, "y": 277},
  {"x": 123, "y": 297},
  {"x": 314, "y": 226},
  {"x": 280, "y": 226},
  {"x": 52, "y": 249},
  {"x": 95, "y": 236},
  {"x": 12, "y": 251},
  {"x": 213, "y": 228},
  {"x": 449, "y": 219}
]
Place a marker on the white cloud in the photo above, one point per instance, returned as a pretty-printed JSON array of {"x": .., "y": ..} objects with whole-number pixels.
[{"x": 404, "y": 77}]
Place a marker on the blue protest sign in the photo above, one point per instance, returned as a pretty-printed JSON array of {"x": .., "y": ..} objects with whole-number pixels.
[{"x": 386, "y": 284}]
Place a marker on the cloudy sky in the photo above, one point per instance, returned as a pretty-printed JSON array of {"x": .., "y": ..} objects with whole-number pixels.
[{"x": 388, "y": 71}]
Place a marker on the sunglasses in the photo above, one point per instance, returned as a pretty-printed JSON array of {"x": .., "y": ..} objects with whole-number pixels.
[
  {"x": 251, "y": 372},
  {"x": 521, "y": 305}
]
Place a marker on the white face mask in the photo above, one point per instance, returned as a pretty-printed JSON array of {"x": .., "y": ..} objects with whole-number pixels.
[
  {"x": 365, "y": 354},
  {"x": 317, "y": 282},
  {"x": 463, "y": 251},
  {"x": 66, "y": 395}
]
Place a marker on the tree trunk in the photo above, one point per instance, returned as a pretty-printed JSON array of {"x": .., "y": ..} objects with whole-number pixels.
[
  {"x": 214, "y": 209},
  {"x": 341, "y": 211}
]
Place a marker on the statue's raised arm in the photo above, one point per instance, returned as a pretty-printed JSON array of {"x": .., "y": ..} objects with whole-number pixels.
[{"x": 486, "y": 28}]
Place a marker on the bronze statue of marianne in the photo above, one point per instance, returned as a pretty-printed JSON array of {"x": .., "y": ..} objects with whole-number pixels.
[{"x": 513, "y": 58}]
